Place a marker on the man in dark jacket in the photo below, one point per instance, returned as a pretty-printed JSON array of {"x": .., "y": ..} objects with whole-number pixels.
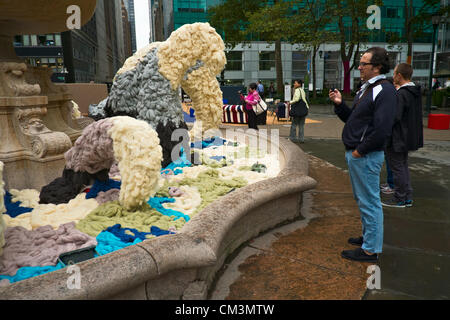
[
  {"x": 368, "y": 124},
  {"x": 407, "y": 135}
]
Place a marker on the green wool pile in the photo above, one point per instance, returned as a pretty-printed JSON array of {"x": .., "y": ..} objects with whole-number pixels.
[
  {"x": 209, "y": 184},
  {"x": 111, "y": 213}
]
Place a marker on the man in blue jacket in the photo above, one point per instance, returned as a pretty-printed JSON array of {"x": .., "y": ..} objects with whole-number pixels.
[{"x": 368, "y": 124}]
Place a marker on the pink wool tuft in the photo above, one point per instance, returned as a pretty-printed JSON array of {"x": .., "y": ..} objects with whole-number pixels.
[
  {"x": 93, "y": 150},
  {"x": 110, "y": 195}
]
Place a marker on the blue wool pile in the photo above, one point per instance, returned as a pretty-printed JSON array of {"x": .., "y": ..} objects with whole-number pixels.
[
  {"x": 120, "y": 233},
  {"x": 159, "y": 232},
  {"x": 156, "y": 203},
  {"x": 217, "y": 158},
  {"x": 181, "y": 162},
  {"x": 13, "y": 209},
  {"x": 29, "y": 272},
  {"x": 108, "y": 242},
  {"x": 214, "y": 141},
  {"x": 104, "y": 186}
]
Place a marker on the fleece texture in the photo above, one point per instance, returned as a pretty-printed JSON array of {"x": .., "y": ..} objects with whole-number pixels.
[
  {"x": 63, "y": 189},
  {"x": 111, "y": 213},
  {"x": 192, "y": 57},
  {"x": 2, "y": 210},
  {"x": 93, "y": 150},
  {"x": 137, "y": 149},
  {"x": 54, "y": 215},
  {"x": 40, "y": 247}
]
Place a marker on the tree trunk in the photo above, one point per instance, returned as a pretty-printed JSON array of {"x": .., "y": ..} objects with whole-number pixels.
[
  {"x": 313, "y": 63},
  {"x": 279, "y": 67},
  {"x": 346, "y": 76}
]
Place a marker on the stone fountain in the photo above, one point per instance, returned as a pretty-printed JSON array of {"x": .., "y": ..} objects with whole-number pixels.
[{"x": 36, "y": 126}]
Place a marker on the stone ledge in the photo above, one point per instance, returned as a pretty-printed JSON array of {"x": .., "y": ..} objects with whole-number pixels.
[{"x": 200, "y": 246}]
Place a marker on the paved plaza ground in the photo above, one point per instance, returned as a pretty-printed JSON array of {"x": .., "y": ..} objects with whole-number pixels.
[{"x": 301, "y": 260}]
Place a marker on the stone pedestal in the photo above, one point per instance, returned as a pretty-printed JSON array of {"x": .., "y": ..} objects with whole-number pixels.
[
  {"x": 36, "y": 124},
  {"x": 33, "y": 154}
]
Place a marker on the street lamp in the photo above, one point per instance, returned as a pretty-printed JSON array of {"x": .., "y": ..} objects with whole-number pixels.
[{"x": 435, "y": 20}]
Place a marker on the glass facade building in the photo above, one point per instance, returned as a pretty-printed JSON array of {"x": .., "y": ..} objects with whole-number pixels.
[{"x": 247, "y": 64}]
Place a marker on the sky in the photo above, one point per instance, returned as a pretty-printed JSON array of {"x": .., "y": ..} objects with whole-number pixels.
[{"x": 141, "y": 15}]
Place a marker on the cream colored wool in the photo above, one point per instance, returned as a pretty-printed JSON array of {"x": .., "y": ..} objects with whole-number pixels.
[
  {"x": 75, "y": 111},
  {"x": 137, "y": 149},
  {"x": 188, "y": 202},
  {"x": 2, "y": 210},
  {"x": 189, "y": 44},
  {"x": 54, "y": 215},
  {"x": 28, "y": 197},
  {"x": 206, "y": 99}
]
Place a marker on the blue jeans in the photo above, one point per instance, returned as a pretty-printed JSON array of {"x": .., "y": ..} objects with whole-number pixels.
[{"x": 365, "y": 178}]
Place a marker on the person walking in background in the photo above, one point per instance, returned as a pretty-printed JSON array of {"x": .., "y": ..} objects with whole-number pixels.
[
  {"x": 260, "y": 89},
  {"x": 271, "y": 90},
  {"x": 407, "y": 135},
  {"x": 368, "y": 124},
  {"x": 298, "y": 123},
  {"x": 250, "y": 100}
]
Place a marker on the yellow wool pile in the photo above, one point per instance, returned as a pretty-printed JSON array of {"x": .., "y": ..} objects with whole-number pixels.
[
  {"x": 188, "y": 202},
  {"x": 185, "y": 47},
  {"x": 138, "y": 152},
  {"x": 54, "y": 215},
  {"x": 2, "y": 210},
  {"x": 28, "y": 197},
  {"x": 76, "y": 114}
]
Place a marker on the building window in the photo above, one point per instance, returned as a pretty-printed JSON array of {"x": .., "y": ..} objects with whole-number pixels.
[
  {"x": 392, "y": 13},
  {"x": 34, "y": 41},
  {"x": 333, "y": 67},
  {"x": 267, "y": 61},
  {"x": 18, "y": 40},
  {"x": 421, "y": 60},
  {"x": 392, "y": 59},
  {"x": 58, "y": 39},
  {"x": 234, "y": 61},
  {"x": 299, "y": 64},
  {"x": 26, "y": 40}
]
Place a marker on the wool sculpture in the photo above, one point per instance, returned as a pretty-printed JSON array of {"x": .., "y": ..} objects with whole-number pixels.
[
  {"x": 147, "y": 86},
  {"x": 130, "y": 142}
]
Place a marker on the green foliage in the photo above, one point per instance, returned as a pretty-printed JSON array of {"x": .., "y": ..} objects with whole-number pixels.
[
  {"x": 230, "y": 19},
  {"x": 438, "y": 97}
]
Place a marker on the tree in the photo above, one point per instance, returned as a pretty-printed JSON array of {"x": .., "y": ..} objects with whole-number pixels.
[
  {"x": 273, "y": 25},
  {"x": 230, "y": 20},
  {"x": 350, "y": 17},
  {"x": 312, "y": 18}
]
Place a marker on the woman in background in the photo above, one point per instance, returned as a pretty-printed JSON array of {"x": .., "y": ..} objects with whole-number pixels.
[{"x": 251, "y": 99}]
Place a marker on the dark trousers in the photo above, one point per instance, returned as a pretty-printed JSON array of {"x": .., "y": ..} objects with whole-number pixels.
[
  {"x": 252, "y": 119},
  {"x": 398, "y": 162}
]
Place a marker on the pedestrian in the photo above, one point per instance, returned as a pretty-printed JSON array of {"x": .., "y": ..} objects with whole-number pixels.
[
  {"x": 298, "y": 122},
  {"x": 367, "y": 126},
  {"x": 407, "y": 135},
  {"x": 260, "y": 89},
  {"x": 271, "y": 90},
  {"x": 250, "y": 100}
]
